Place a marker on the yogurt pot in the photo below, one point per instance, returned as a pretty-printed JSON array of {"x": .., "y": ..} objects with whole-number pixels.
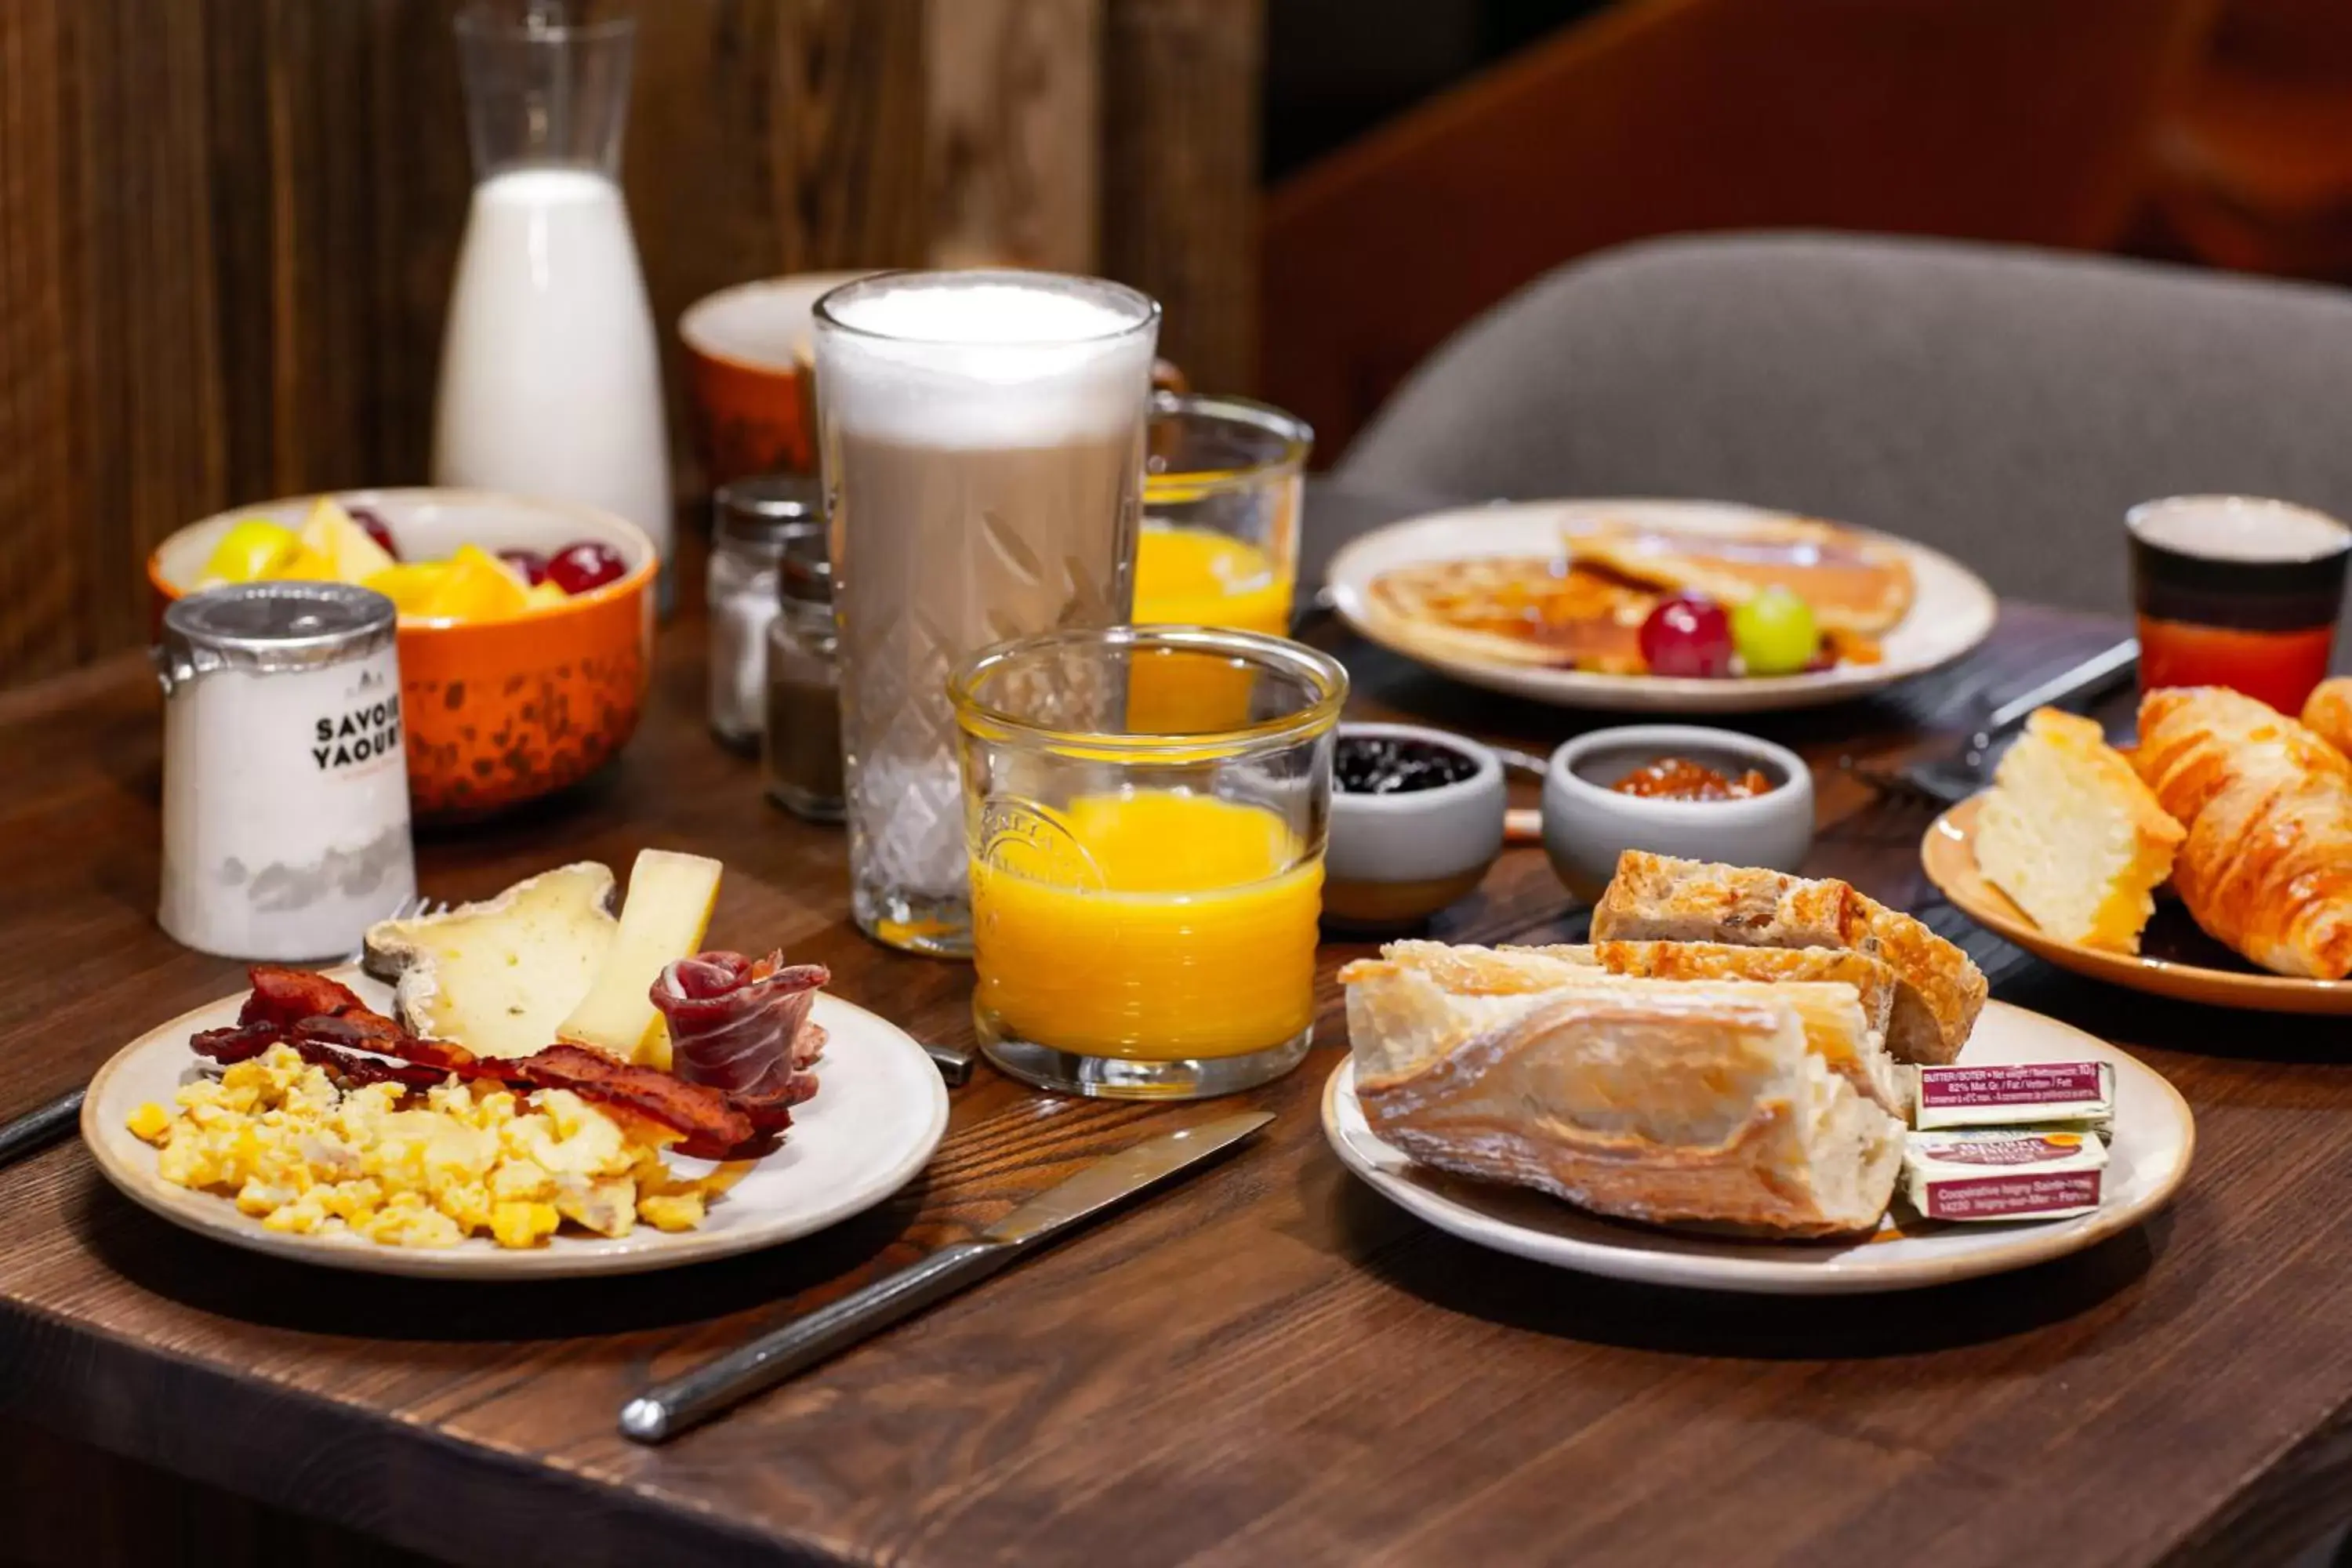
[{"x": 286, "y": 824}]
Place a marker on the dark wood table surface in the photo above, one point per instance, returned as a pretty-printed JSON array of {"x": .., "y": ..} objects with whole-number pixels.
[{"x": 1269, "y": 1364}]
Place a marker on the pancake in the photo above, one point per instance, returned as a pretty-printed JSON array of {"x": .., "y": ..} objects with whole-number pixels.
[
  {"x": 1524, "y": 610},
  {"x": 1854, "y": 583}
]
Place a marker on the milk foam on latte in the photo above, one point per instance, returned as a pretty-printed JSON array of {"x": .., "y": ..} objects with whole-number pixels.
[{"x": 958, "y": 360}]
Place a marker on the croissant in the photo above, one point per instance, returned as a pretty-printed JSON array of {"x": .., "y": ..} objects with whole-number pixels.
[
  {"x": 2329, "y": 711},
  {"x": 2267, "y": 865}
]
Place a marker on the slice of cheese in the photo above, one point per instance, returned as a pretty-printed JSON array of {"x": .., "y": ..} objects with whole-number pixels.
[
  {"x": 498, "y": 976},
  {"x": 669, "y": 909}
]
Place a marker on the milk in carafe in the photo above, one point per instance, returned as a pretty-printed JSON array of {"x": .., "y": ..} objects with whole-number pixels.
[{"x": 551, "y": 376}]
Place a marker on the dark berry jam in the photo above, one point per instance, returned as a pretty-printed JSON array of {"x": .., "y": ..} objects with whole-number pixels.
[{"x": 1388, "y": 764}]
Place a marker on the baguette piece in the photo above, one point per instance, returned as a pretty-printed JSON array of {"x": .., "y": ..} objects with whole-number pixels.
[
  {"x": 2074, "y": 836},
  {"x": 1843, "y": 1027},
  {"x": 1874, "y": 981},
  {"x": 1654, "y": 1101},
  {"x": 1938, "y": 991}
]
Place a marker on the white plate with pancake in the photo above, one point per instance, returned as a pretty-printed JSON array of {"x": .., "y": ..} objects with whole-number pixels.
[
  {"x": 1949, "y": 611},
  {"x": 878, "y": 1113},
  {"x": 2147, "y": 1157}
]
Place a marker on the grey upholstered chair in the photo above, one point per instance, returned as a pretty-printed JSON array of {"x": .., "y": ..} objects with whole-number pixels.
[{"x": 2003, "y": 406}]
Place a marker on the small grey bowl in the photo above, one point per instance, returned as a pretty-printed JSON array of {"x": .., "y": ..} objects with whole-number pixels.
[
  {"x": 1396, "y": 859},
  {"x": 1586, "y": 825}
]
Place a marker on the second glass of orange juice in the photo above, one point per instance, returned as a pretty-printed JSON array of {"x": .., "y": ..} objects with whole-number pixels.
[
  {"x": 1145, "y": 898},
  {"x": 1222, "y": 481}
]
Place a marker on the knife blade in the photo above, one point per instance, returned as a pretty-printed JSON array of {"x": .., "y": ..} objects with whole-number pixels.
[{"x": 668, "y": 1409}]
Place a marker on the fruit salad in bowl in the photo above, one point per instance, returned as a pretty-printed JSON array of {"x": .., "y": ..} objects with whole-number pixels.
[{"x": 526, "y": 626}]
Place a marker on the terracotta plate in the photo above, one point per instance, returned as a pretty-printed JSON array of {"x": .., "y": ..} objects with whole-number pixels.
[
  {"x": 878, "y": 1112},
  {"x": 2176, "y": 960},
  {"x": 1952, "y": 611},
  {"x": 2146, "y": 1159}
]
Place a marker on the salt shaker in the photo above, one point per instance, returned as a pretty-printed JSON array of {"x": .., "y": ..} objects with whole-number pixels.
[
  {"x": 752, "y": 522},
  {"x": 285, "y": 780},
  {"x": 800, "y": 753}
]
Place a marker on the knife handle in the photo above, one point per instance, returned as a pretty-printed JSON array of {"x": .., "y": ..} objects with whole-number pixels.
[
  {"x": 39, "y": 1129},
  {"x": 666, "y": 1409}
]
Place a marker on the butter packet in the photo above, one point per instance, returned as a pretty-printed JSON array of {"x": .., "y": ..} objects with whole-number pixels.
[
  {"x": 2015, "y": 1094},
  {"x": 1989, "y": 1172}
]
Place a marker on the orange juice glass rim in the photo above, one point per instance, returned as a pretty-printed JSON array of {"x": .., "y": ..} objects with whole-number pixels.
[
  {"x": 1297, "y": 439},
  {"x": 1325, "y": 680}
]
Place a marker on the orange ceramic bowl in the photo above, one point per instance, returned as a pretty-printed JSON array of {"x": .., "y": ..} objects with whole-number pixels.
[
  {"x": 748, "y": 356},
  {"x": 502, "y": 711}
]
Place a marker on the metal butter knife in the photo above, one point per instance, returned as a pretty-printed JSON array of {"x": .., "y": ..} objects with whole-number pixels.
[{"x": 666, "y": 1409}]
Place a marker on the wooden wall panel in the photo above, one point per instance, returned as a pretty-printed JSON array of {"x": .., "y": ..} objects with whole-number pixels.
[
  {"x": 1179, "y": 174},
  {"x": 1014, "y": 133},
  {"x": 227, "y": 227}
]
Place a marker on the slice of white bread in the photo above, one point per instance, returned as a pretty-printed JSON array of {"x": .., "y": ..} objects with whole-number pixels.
[
  {"x": 2074, "y": 836},
  {"x": 1938, "y": 991},
  {"x": 1657, "y": 1100},
  {"x": 498, "y": 977},
  {"x": 1844, "y": 1026}
]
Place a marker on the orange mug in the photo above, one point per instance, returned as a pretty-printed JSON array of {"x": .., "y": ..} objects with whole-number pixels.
[{"x": 749, "y": 368}]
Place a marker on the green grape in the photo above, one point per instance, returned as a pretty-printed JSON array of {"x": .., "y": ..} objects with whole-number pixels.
[{"x": 1774, "y": 633}]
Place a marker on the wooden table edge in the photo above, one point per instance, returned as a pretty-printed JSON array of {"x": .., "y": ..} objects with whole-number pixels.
[{"x": 230, "y": 1429}]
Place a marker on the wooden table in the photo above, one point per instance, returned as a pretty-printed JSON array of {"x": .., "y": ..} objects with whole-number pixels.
[{"x": 1268, "y": 1365}]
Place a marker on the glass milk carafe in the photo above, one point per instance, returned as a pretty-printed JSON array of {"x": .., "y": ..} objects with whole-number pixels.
[{"x": 551, "y": 378}]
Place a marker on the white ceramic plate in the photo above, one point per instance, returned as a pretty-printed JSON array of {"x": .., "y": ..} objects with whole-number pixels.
[
  {"x": 2146, "y": 1159},
  {"x": 878, "y": 1112},
  {"x": 1951, "y": 613}
]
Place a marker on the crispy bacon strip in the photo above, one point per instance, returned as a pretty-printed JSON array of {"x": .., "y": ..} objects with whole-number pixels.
[
  {"x": 286, "y": 996},
  {"x": 741, "y": 1025},
  {"x": 248, "y": 1041},
  {"x": 712, "y": 1125}
]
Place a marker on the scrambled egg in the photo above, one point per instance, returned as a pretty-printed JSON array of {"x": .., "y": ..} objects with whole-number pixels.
[{"x": 410, "y": 1168}]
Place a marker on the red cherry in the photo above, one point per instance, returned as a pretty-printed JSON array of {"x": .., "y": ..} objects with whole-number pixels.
[
  {"x": 376, "y": 529},
  {"x": 577, "y": 568},
  {"x": 1687, "y": 634},
  {"x": 529, "y": 562}
]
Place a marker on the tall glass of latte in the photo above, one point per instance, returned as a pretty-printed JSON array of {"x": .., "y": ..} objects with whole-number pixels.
[{"x": 981, "y": 439}]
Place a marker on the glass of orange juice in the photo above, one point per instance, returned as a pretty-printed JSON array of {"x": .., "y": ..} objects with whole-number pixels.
[
  {"x": 1144, "y": 898},
  {"x": 1222, "y": 481}
]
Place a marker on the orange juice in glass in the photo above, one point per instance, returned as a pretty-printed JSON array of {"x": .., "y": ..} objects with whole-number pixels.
[
  {"x": 1222, "y": 481},
  {"x": 1145, "y": 900}
]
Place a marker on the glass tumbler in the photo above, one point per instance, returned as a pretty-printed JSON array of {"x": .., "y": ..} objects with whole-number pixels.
[
  {"x": 981, "y": 436},
  {"x": 1144, "y": 901},
  {"x": 1223, "y": 481}
]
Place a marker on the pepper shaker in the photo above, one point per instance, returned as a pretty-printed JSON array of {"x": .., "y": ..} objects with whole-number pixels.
[
  {"x": 800, "y": 753},
  {"x": 752, "y": 519},
  {"x": 286, "y": 829}
]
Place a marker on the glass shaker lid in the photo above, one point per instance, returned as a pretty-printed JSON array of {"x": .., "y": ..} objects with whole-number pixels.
[{"x": 764, "y": 510}]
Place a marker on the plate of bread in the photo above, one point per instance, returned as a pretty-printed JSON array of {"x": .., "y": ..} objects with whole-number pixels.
[
  {"x": 1746, "y": 1082},
  {"x": 2211, "y": 862},
  {"x": 1659, "y": 605}
]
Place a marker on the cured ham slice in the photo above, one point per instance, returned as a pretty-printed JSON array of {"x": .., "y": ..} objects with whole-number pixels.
[{"x": 741, "y": 1025}]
